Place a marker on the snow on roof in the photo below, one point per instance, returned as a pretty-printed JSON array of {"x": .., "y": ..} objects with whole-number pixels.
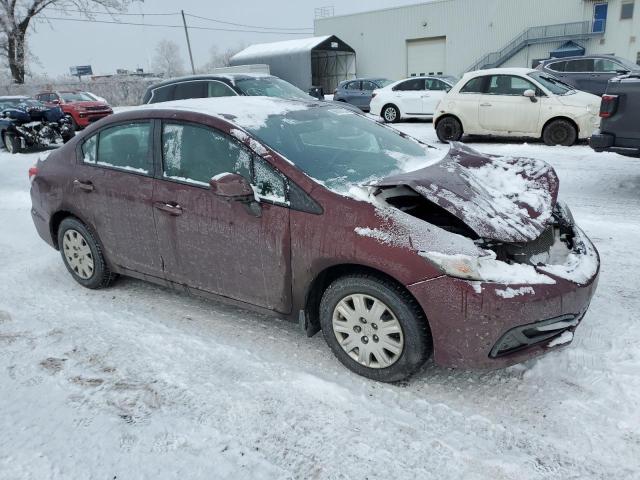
[
  {"x": 247, "y": 112},
  {"x": 280, "y": 48}
]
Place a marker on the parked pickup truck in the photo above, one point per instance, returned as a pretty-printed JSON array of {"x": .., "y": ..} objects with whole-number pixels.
[{"x": 620, "y": 112}]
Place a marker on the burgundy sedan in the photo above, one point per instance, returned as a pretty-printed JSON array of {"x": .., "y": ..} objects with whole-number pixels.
[{"x": 396, "y": 251}]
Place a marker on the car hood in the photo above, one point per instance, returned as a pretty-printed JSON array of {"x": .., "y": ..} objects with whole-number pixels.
[
  {"x": 580, "y": 99},
  {"x": 500, "y": 198}
]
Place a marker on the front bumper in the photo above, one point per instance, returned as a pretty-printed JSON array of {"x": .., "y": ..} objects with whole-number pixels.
[
  {"x": 84, "y": 119},
  {"x": 470, "y": 320}
]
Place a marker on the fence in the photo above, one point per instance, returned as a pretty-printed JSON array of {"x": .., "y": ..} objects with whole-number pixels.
[{"x": 116, "y": 91}]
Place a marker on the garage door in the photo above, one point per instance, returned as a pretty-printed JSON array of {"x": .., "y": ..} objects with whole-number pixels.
[{"x": 426, "y": 56}]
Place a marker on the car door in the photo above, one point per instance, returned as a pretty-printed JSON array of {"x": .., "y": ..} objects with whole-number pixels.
[
  {"x": 352, "y": 93},
  {"x": 579, "y": 73},
  {"x": 211, "y": 244},
  {"x": 112, "y": 190},
  {"x": 366, "y": 92},
  {"x": 505, "y": 110},
  {"x": 466, "y": 104},
  {"x": 435, "y": 90},
  {"x": 409, "y": 95}
]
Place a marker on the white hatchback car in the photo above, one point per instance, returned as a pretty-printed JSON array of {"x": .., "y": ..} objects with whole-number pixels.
[
  {"x": 516, "y": 102},
  {"x": 415, "y": 97}
]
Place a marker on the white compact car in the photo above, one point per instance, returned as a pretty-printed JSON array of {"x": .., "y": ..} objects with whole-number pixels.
[
  {"x": 516, "y": 102},
  {"x": 415, "y": 97}
]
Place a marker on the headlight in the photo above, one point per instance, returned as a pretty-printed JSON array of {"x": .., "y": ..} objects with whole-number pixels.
[{"x": 459, "y": 266}]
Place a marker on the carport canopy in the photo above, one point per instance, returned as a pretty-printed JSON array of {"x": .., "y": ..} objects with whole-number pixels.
[
  {"x": 568, "y": 49},
  {"x": 317, "y": 61}
]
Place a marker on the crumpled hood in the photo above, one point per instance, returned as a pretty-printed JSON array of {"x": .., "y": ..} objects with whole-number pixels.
[
  {"x": 580, "y": 99},
  {"x": 499, "y": 198}
]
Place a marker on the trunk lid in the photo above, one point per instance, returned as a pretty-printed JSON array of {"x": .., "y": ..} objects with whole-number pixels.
[{"x": 500, "y": 198}]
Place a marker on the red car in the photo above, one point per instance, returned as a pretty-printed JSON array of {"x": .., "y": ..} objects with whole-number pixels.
[
  {"x": 328, "y": 218},
  {"x": 80, "y": 107}
]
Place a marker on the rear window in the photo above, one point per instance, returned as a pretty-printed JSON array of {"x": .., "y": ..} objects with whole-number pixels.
[{"x": 186, "y": 90}]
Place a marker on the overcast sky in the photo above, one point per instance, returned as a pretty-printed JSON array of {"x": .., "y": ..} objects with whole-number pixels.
[{"x": 61, "y": 44}]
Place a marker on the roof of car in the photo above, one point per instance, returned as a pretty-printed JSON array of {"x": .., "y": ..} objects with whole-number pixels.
[
  {"x": 500, "y": 71},
  {"x": 245, "y": 111},
  {"x": 578, "y": 57},
  {"x": 232, "y": 77}
]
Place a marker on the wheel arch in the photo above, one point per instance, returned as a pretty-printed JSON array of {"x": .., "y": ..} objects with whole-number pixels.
[
  {"x": 57, "y": 218},
  {"x": 561, "y": 117},
  {"x": 448, "y": 115},
  {"x": 324, "y": 278}
]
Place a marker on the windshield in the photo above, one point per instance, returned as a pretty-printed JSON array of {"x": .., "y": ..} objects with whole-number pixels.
[
  {"x": 270, "y": 87},
  {"x": 341, "y": 148},
  {"x": 552, "y": 84},
  {"x": 75, "y": 97}
]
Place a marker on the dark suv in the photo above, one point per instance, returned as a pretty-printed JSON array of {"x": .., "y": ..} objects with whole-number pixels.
[
  {"x": 227, "y": 85},
  {"x": 620, "y": 111},
  {"x": 588, "y": 73}
]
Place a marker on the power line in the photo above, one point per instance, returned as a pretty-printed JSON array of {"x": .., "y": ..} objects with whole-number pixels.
[
  {"x": 116, "y": 14},
  {"x": 243, "y": 25},
  {"x": 87, "y": 20}
]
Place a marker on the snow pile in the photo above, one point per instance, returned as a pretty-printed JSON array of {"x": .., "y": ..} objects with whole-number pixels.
[
  {"x": 563, "y": 339},
  {"x": 515, "y": 292},
  {"x": 580, "y": 265}
]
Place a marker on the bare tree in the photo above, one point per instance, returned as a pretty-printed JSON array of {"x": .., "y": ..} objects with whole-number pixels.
[
  {"x": 218, "y": 59},
  {"x": 17, "y": 15},
  {"x": 168, "y": 59}
]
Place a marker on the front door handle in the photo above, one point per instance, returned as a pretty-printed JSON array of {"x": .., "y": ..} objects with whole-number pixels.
[
  {"x": 485, "y": 104},
  {"x": 170, "y": 208},
  {"x": 86, "y": 186}
]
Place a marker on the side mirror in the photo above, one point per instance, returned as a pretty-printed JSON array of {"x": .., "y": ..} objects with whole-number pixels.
[
  {"x": 232, "y": 187},
  {"x": 531, "y": 95}
]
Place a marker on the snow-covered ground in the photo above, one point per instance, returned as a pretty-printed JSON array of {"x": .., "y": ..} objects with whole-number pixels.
[{"x": 140, "y": 382}]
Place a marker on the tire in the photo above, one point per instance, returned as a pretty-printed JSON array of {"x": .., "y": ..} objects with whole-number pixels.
[
  {"x": 560, "y": 132},
  {"x": 449, "y": 129},
  {"x": 74, "y": 124},
  {"x": 408, "y": 335},
  {"x": 12, "y": 143},
  {"x": 82, "y": 255},
  {"x": 390, "y": 114}
]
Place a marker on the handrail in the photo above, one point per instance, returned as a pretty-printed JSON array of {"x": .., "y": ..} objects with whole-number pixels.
[{"x": 535, "y": 34}]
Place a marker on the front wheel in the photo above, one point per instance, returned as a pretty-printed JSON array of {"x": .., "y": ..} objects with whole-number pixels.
[
  {"x": 449, "y": 129},
  {"x": 12, "y": 142},
  {"x": 560, "y": 132},
  {"x": 374, "y": 327},
  {"x": 390, "y": 114}
]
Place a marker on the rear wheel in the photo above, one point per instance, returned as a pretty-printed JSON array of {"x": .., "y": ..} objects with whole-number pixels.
[
  {"x": 12, "y": 143},
  {"x": 374, "y": 327},
  {"x": 560, "y": 132},
  {"x": 449, "y": 129},
  {"x": 82, "y": 255},
  {"x": 390, "y": 114}
]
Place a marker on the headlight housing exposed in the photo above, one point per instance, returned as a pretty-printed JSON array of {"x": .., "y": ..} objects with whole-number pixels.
[{"x": 459, "y": 266}]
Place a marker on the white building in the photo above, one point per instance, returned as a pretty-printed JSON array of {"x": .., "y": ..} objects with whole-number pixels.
[{"x": 454, "y": 36}]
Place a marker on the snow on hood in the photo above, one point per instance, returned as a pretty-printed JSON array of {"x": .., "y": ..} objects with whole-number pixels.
[
  {"x": 499, "y": 198},
  {"x": 580, "y": 99}
]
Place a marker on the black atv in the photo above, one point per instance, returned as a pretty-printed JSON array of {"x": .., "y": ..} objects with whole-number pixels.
[{"x": 27, "y": 123}]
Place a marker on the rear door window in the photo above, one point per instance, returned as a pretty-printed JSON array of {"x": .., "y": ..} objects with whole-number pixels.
[
  {"x": 415, "y": 84},
  {"x": 578, "y": 66},
  {"x": 125, "y": 147},
  {"x": 195, "y": 89}
]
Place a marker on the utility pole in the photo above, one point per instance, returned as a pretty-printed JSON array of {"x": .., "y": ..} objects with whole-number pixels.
[{"x": 186, "y": 32}]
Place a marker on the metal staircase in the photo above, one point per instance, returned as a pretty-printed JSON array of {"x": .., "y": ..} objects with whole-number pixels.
[{"x": 543, "y": 34}]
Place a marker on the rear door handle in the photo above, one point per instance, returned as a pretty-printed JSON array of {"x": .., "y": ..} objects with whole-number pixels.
[
  {"x": 86, "y": 186},
  {"x": 170, "y": 208}
]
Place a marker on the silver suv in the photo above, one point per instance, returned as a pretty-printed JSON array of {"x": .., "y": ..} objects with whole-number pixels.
[{"x": 588, "y": 73}]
